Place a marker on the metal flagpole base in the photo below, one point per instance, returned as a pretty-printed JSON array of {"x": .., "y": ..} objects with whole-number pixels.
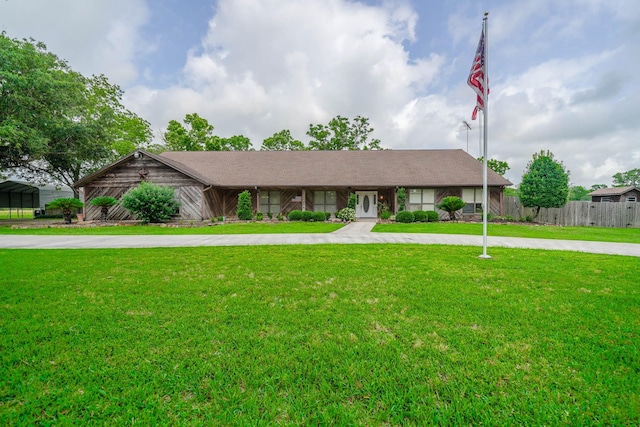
[{"x": 485, "y": 256}]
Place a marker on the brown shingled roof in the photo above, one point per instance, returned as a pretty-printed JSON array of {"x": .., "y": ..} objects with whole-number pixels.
[
  {"x": 613, "y": 191},
  {"x": 384, "y": 168}
]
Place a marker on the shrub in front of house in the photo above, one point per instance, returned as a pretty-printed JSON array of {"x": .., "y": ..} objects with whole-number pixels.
[
  {"x": 327, "y": 216},
  {"x": 402, "y": 199},
  {"x": 353, "y": 200},
  {"x": 433, "y": 216},
  {"x": 385, "y": 215},
  {"x": 259, "y": 216},
  {"x": 405, "y": 216},
  {"x": 451, "y": 205},
  {"x": 244, "y": 211},
  {"x": 319, "y": 216},
  {"x": 295, "y": 215},
  {"x": 104, "y": 203},
  {"x": 346, "y": 214},
  {"x": 307, "y": 216},
  {"x": 66, "y": 204},
  {"x": 420, "y": 216},
  {"x": 151, "y": 202}
]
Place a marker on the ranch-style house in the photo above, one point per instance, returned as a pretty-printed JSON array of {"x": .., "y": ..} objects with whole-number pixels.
[{"x": 207, "y": 183}]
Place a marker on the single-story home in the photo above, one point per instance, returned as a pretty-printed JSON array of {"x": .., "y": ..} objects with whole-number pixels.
[
  {"x": 616, "y": 194},
  {"x": 207, "y": 183}
]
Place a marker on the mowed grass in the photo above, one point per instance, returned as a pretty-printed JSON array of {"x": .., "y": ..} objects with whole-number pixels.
[
  {"x": 233, "y": 228},
  {"x": 594, "y": 234},
  {"x": 318, "y": 335},
  {"x": 16, "y": 214}
]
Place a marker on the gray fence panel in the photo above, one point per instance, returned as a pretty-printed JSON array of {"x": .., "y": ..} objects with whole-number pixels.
[{"x": 614, "y": 215}]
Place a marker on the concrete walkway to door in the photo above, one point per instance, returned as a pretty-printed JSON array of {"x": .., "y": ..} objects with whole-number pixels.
[{"x": 358, "y": 227}]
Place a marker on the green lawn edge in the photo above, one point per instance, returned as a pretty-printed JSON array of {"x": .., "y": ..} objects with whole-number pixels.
[
  {"x": 233, "y": 228},
  {"x": 533, "y": 231}
]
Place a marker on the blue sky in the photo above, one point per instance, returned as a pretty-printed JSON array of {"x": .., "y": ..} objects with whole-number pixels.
[{"x": 563, "y": 73}]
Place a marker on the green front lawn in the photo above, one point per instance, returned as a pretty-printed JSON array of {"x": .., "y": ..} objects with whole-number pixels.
[
  {"x": 318, "y": 335},
  {"x": 233, "y": 228},
  {"x": 597, "y": 234}
]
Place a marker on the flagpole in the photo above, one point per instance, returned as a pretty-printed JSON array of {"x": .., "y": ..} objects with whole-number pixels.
[{"x": 485, "y": 115}]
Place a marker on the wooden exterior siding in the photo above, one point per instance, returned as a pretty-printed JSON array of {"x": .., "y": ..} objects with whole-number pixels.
[
  {"x": 495, "y": 198},
  {"x": 118, "y": 181},
  {"x": 618, "y": 197}
]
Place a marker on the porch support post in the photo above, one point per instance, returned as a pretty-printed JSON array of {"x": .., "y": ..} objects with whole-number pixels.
[
  {"x": 395, "y": 201},
  {"x": 304, "y": 199},
  {"x": 257, "y": 199}
]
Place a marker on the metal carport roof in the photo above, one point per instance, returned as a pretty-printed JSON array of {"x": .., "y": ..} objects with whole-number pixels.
[{"x": 19, "y": 195}]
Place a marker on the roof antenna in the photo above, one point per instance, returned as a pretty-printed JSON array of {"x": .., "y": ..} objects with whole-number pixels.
[{"x": 468, "y": 128}]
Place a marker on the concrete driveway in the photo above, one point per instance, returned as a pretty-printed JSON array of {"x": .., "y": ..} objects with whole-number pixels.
[{"x": 354, "y": 233}]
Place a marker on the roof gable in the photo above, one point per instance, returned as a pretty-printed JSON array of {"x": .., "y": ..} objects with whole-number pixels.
[
  {"x": 613, "y": 191},
  {"x": 164, "y": 160}
]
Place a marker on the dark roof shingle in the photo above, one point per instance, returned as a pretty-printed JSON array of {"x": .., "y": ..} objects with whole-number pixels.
[
  {"x": 386, "y": 168},
  {"x": 613, "y": 191}
]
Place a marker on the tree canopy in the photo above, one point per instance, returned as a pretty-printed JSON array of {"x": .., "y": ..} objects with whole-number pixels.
[
  {"x": 545, "y": 183},
  {"x": 56, "y": 124},
  {"x": 343, "y": 134},
  {"x": 282, "y": 141},
  {"x": 630, "y": 177},
  {"x": 197, "y": 134},
  {"x": 497, "y": 166}
]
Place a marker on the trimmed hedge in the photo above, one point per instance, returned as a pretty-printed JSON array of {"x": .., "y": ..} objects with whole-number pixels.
[
  {"x": 319, "y": 216},
  {"x": 294, "y": 215},
  {"x": 297, "y": 215},
  {"x": 433, "y": 216},
  {"x": 405, "y": 216},
  {"x": 420, "y": 216}
]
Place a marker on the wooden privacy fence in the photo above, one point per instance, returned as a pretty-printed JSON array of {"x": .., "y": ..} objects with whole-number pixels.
[{"x": 615, "y": 215}]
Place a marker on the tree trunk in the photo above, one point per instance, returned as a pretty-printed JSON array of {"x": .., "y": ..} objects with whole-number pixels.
[
  {"x": 66, "y": 214},
  {"x": 104, "y": 212}
]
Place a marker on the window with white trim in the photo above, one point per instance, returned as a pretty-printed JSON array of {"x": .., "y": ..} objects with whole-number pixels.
[
  {"x": 422, "y": 199},
  {"x": 325, "y": 201},
  {"x": 605, "y": 199},
  {"x": 632, "y": 199},
  {"x": 270, "y": 202},
  {"x": 473, "y": 199}
]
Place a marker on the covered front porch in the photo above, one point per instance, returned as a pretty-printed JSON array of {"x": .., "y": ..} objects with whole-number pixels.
[{"x": 274, "y": 200}]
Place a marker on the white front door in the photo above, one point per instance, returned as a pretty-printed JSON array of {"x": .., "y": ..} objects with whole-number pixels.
[{"x": 366, "y": 204}]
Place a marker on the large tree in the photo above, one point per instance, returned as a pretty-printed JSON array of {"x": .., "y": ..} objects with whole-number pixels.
[
  {"x": 545, "y": 183},
  {"x": 37, "y": 90},
  {"x": 497, "y": 166},
  {"x": 197, "y": 134},
  {"x": 343, "y": 134},
  {"x": 234, "y": 143},
  {"x": 55, "y": 124},
  {"x": 630, "y": 177},
  {"x": 282, "y": 141},
  {"x": 578, "y": 192}
]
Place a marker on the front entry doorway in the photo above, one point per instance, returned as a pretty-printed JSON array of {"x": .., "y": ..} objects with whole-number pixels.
[{"x": 366, "y": 204}]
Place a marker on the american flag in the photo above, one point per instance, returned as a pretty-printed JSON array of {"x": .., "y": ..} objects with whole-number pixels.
[{"x": 476, "y": 77}]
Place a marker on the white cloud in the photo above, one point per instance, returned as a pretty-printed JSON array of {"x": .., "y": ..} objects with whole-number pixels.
[
  {"x": 265, "y": 66},
  {"x": 96, "y": 37}
]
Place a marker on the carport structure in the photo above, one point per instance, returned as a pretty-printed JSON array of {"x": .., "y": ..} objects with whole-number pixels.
[{"x": 20, "y": 195}]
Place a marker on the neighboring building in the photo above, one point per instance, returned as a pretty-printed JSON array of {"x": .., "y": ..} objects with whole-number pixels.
[
  {"x": 16, "y": 194},
  {"x": 616, "y": 194},
  {"x": 207, "y": 183}
]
